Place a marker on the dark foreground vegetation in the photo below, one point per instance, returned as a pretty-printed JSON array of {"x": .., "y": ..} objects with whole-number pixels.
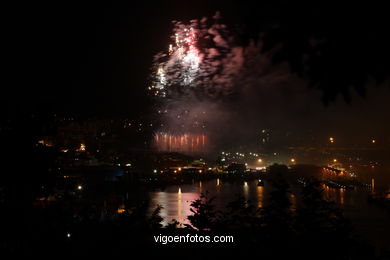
[{"x": 315, "y": 229}]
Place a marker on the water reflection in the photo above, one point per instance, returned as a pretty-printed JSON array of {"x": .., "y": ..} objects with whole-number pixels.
[
  {"x": 334, "y": 194},
  {"x": 293, "y": 201},
  {"x": 260, "y": 196},
  {"x": 176, "y": 205},
  {"x": 179, "y": 204},
  {"x": 246, "y": 190},
  {"x": 342, "y": 195},
  {"x": 176, "y": 200}
]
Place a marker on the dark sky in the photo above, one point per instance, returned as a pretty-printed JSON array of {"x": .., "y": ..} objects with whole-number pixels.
[
  {"x": 91, "y": 58},
  {"x": 94, "y": 59}
]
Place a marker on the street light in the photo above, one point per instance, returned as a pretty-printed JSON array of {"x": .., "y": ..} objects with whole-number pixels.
[{"x": 292, "y": 160}]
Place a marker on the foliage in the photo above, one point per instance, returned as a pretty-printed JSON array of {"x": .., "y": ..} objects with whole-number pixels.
[{"x": 204, "y": 215}]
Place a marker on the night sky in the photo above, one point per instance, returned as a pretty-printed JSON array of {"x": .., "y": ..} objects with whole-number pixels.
[
  {"x": 88, "y": 58},
  {"x": 94, "y": 59}
]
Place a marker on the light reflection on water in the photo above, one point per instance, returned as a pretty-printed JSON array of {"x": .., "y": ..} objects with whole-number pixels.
[
  {"x": 369, "y": 220},
  {"x": 260, "y": 196},
  {"x": 176, "y": 205},
  {"x": 176, "y": 200},
  {"x": 337, "y": 195}
]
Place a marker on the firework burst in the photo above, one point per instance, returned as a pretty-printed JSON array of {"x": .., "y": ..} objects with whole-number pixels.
[
  {"x": 201, "y": 67},
  {"x": 202, "y": 58},
  {"x": 180, "y": 65}
]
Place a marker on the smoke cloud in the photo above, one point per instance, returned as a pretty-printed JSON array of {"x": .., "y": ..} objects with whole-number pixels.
[{"x": 207, "y": 83}]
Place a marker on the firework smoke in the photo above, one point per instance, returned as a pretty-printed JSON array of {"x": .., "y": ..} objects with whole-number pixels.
[
  {"x": 207, "y": 84},
  {"x": 197, "y": 78}
]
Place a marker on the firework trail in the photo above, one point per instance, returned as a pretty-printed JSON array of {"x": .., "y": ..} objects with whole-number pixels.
[{"x": 186, "y": 143}]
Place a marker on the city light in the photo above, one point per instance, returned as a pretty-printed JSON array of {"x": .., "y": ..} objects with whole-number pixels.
[
  {"x": 82, "y": 148},
  {"x": 121, "y": 209},
  {"x": 331, "y": 139},
  {"x": 259, "y": 160},
  {"x": 292, "y": 160},
  {"x": 79, "y": 187},
  {"x": 373, "y": 141}
]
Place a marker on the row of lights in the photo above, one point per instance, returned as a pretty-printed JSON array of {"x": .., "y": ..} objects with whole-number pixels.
[
  {"x": 291, "y": 160},
  {"x": 178, "y": 170},
  {"x": 332, "y": 140}
]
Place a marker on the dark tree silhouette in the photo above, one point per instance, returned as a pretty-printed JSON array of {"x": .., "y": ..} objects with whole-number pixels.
[
  {"x": 277, "y": 215},
  {"x": 335, "y": 46},
  {"x": 156, "y": 219},
  {"x": 204, "y": 215}
]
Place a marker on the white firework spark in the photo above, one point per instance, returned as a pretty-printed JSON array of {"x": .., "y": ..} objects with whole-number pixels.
[
  {"x": 182, "y": 64},
  {"x": 187, "y": 66},
  {"x": 202, "y": 67}
]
